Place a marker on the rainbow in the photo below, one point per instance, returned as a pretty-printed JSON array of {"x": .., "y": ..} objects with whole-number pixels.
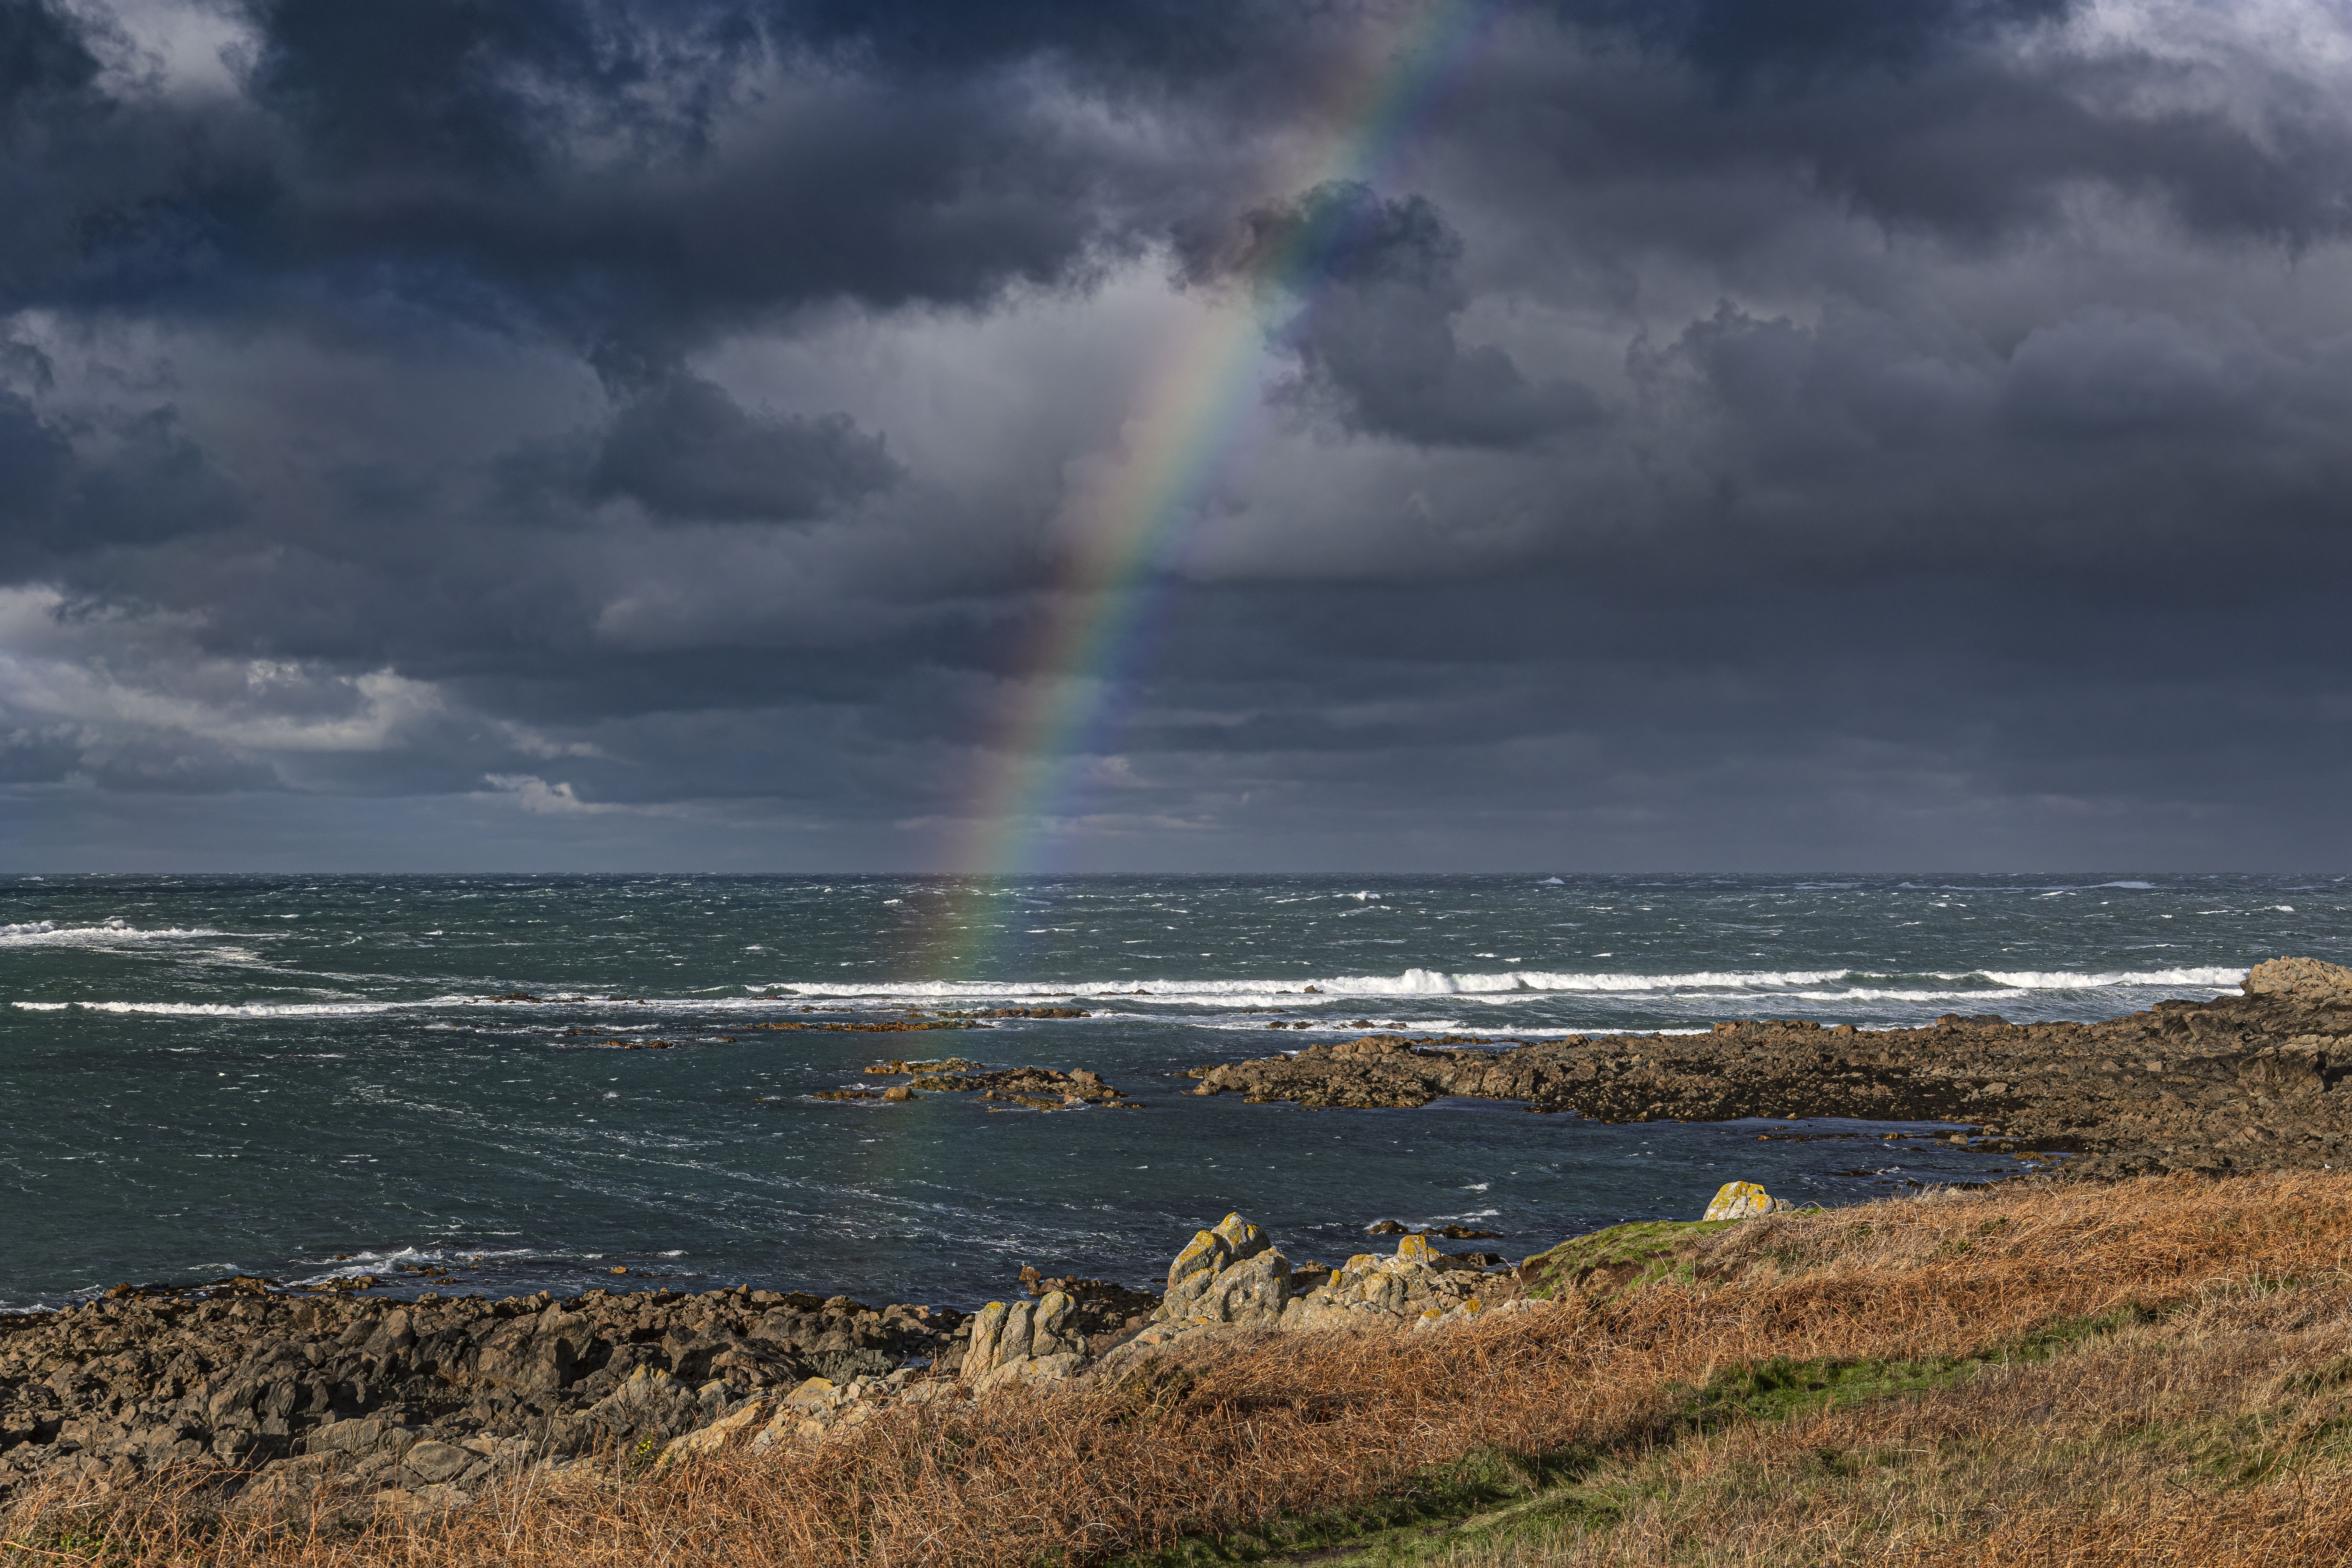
[{"x": 1189, "y": 419}]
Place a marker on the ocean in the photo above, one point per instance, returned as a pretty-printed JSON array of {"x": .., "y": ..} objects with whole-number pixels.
[{"x": 313, "y": 1077}]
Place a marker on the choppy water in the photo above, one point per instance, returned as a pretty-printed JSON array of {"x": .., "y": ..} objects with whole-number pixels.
[{"x": 201, "y": 1075}]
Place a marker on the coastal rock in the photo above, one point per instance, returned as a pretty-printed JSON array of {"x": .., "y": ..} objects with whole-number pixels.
[
  {"x": 1233, "y": 1279},
  {"x": 2233, "y": 1083},
  {"x": 1249, "y": 1293},
  {"x": 1038, "y": 1088},
  {"x": 246, "y": 1382},
  {"x": 1743, "y": 1200},
  {"x": 651, "y": 1403},
  {"x": 2305, "y": 980},
  {"x": 1024, "y": 1339},
  {"x": 712, "y": 1438},
  {"x": 431, "y": 1464}
]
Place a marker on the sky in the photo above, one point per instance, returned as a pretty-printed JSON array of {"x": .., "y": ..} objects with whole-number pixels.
[{"x": 1175, "y": 435}]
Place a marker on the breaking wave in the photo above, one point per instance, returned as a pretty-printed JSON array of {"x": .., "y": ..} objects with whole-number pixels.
[
  {"x": 1494, "y": 989},
  {"x": 1807, "y": 984},
  {"x": 109, "y": 934}
]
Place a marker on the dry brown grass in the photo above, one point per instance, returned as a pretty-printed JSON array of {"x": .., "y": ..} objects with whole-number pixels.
[
  {"x": 2221, "y": 1435},
  {"x": 1299, "y": 1425}
]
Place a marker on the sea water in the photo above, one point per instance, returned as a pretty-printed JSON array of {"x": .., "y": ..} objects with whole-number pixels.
[{"x": 307, "y": 1077}]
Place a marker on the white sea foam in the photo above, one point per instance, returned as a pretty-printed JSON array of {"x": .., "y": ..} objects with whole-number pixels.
[
  {"x": 109, "y": 934},
  {"x": 2131, "y": 979},
  {"x": 1505, "y": 986},
  {"x": 1495, "y": 989},
  {"x": 224, "y": 1009}
]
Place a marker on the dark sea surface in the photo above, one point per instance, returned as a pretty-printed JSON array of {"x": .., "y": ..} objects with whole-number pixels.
[{"x": 306, "y": 1076}]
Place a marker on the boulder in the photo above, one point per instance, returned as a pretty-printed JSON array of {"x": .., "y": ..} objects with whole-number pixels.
[
  {"x": 1260, "y": 1289},
  {"x": 432, "y": 1464},
  {"x": 1005, "y": 1336},
  {"x": 650, "y": 1402},
  {"x": 1249, "y": 1292},
  {"x": 1743, "y": 1200},
  {"x": 2305, "y": 980},
  {"x": 712, "y": 1438},
  {"x": 1208, "y": 1254}
]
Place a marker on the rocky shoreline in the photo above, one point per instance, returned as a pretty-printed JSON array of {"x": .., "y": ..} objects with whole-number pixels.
[
  {"x": 2253, "y": 1082},
  {"x": 266, "y": 1391},
  {"x": 416, "y": 1395}
]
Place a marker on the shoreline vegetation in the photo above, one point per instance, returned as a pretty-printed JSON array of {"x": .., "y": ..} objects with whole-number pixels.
[{"x": 2147, "y": 1369}]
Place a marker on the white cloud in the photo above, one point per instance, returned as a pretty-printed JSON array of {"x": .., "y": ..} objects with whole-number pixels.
[
  {"x": 114, "y": 673},
  {"x": 541, "y": 798}
]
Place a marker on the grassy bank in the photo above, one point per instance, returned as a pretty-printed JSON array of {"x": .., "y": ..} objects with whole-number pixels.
[{"x": 2151, "y": 1372}]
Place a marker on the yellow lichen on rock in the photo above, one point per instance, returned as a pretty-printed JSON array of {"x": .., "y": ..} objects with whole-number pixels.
[
  {"x": 1417, "y": 1249},
  {"x": 1206, "y": 1250},
  {"x": 1741, "y": 1200}
]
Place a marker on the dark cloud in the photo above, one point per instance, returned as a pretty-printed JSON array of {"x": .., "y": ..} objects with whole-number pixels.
[
  {"x": 1379, "y": 299},
  {"x": 140, "y": 481},
  {"x": 43, "y": 60},
  {"x": 686, "y": 450},
  {"x": 1799, "y": 43},
  {"x": 1715, "y": 433}
]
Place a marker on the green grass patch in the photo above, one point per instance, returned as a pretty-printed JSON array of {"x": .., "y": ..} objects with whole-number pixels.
[
  {"x": 1629, "y": 1256},
  {"x": 1493, "y": 1493}
]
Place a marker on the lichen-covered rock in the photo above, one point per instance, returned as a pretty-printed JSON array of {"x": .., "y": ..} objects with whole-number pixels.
[
  {"x": 1018, "y": 1338},
  {"x": 1743, "y": 1200},
  {"x": 1417, "y": 1283},
  {"x": 1250, "y": 1292},
  {"x": 1193, "y": 1274}
]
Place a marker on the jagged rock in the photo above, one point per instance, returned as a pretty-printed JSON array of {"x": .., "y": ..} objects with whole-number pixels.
[
  {"x": 431, "y": 1464},
  {"x": 650, "y": 1402},
  {"x": 2306, "y": 980},
  {"x": 275, "y": 1383},
  {"x": 1039, "y": 1089},
  {"x": 1249, "y": 1292},
  {"x": 1024, "y": 1339},
  {"x": 1196, "y": 1267},
  {"x": 2174, "y": 1088},
  {"x": 1214, "y": 1291},
  {"x": 712, "y": 1438}
]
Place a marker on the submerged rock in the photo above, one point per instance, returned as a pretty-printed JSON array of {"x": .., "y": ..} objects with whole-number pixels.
[{"x": 1037, "y": 1088}]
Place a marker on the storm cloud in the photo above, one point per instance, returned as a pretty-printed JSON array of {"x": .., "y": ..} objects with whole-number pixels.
[{"x": 589, "y": 433}]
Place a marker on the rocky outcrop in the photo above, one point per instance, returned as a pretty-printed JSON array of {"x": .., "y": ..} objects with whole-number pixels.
[
  {"x": 1031, "y": 1089},
  {"x": 2240, "y": 1082},
  {"x": 1034, "y": 1089},
  {"x": 1039, "y": 1339},
  {"x": 1234, "y": 1278},
  {"x": 429, "y": 1393},
  {"x": 2305, "y": 981}
]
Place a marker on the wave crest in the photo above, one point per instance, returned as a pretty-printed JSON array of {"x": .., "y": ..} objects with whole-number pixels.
[{"x": 49, "y": 933}]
